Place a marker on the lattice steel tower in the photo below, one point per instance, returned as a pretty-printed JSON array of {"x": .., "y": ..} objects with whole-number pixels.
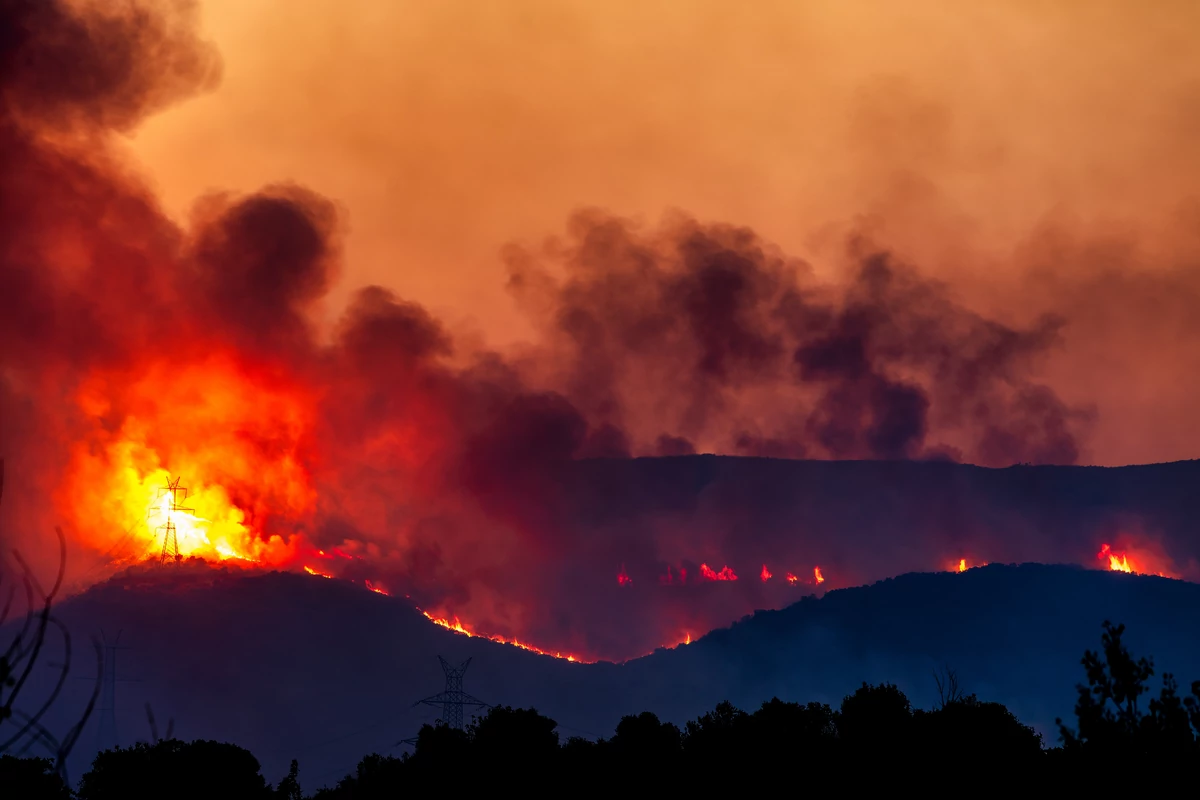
[
  {"x": 452, "y": 699},
  {"x": 177, "y": 494},
  {"x": 106, "y": 733}
]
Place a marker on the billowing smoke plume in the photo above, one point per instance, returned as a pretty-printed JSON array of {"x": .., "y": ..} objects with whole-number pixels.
[
  {"x": 705, "y": 337},
  {"x": 130, "y": 346}
]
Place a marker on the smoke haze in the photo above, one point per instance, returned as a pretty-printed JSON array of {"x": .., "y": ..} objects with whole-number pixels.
[{"x": 368, "y": 329}]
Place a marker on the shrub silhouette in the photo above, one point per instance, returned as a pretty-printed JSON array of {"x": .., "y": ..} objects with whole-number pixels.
[
  {"x": 199, "y": 770},
  {"x": 1113, "y": 721},
  {"x": 32, "y": 778},
  {"x": 873, "y": 739}
]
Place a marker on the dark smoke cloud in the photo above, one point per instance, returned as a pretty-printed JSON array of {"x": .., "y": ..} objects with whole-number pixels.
[{"x": 712, "y": 334}]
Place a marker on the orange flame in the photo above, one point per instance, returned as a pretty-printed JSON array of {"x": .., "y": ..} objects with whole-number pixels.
[
  {"x": 458, "y": 627},
  {"x": 312, "y": 571},
  {"x": 377, "y": 589},
  {"x": 817, "y": 576},
  {"x": 1116, "y": 563},
  {"x": 726, "y": 573},
  {"x": 765, "y": 574},
  {"x": 202, "y": 420},
  {"x": 962, "y": 565}
]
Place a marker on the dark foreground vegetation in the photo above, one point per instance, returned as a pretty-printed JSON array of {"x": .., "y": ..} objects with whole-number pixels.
[{"x": 1123, "y": 735}]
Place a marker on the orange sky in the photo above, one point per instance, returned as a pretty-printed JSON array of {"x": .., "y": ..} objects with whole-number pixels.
[{"x": 1036, "y": 154}]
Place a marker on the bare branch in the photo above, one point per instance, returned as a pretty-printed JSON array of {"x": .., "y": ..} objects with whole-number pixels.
[
  {"x": 22, "y": 655},
  {"x": 153, "y": 727},
  {"x": 947, "y": 687}
]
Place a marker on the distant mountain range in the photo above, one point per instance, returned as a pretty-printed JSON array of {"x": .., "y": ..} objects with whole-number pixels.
[
  {"x": 860, "y": 521},
  {"x": 294, "y": 666}
]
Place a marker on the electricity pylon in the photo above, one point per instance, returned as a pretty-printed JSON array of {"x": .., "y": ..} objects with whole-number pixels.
[
  {"x": 178, "y": 494},
  {"x": 106, "y": 733},
  {"x": 452, "y": 699}
]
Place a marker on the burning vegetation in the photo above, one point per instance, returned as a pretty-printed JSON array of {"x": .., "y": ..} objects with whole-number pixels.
[{"x": 135, "y": 351}]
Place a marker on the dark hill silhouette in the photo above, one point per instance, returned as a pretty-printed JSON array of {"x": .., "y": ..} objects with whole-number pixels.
[
  {"x": 860, "y": 521},
  {"x": 294, "y": 666}
]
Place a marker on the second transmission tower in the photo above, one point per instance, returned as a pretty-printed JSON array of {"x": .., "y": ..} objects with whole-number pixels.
[{"x": 452, "y": 699}]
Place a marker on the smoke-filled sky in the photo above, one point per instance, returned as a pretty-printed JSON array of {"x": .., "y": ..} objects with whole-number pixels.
[
  {"x": 375, "y": 278},
  {"x": 1039, "y": 156}
]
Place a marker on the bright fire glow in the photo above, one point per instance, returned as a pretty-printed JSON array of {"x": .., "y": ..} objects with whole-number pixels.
[
  {"x": 792, "y": 578},
  {"x": 458, "y": 627},
  {"x": 817, "y": 576},
  {"x": 962, "y": 565},
  {"x": 312, "y": 571},
  {"x": 204, "y": 423},
  {"x": 726, "y": 573},
  {"x": 765, "y": 574},
  {"x": 1117, "y": 562}
]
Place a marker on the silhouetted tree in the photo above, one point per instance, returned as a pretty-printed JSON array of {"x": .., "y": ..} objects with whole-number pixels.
[
  {"x": 32, "y": 779},
  {"x": 781, "y": 730},
  {"x": 1113, "y": 723},
  {"x": 513, "y": 738},
  {"x": 289, "y": 787},
  {"x": 375, "y": 778},
  {"x": 646, "y": 746},
  {"x": 971, "y": 736},
  {"x": 876, "y": 719},
  {"x": 715, "y": 736},
  {"x": 439, "y": 747},
  {"x": 199, "y": 770}
]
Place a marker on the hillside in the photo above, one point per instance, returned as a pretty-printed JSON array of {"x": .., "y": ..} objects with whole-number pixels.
[{"x": 324, "y": 671}]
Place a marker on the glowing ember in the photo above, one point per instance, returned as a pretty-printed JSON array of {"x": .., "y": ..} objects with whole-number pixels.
[
  {"x": 312, "y": 571},
  {"x": 765, "y": 574},
  {"x": 687, "y": 639},
  {"x": 817, "y": 576},
  {"x": 376, "y": 589},
  {"x": 726, "y": 573},
  {"x": 792, "y": 578},
  {"x": 623, "y": 578},
  {"x": 458, "y": 627}
]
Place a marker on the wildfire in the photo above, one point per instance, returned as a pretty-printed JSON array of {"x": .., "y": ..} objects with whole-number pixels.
[
  {"x": 792, "y": 579},
  {"x": 458, "y": 627},
  {"x": 377, "y": 589},
  {"x": 312, "y": 571},
  {"x": 765, "y": 574},
  {"x": 227, "y": 431},
  {"x": 726, "y": 573},
  {"x": 668, "y": 578},
  {"x": 623, "y": 578},
  {"x": 962, "y": 565},
  {"x": 817, "y": 576},
  {"x": 1116, "y": 562}
]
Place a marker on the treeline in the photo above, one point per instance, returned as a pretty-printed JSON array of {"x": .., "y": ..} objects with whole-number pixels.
[{"x": 1124, "y": 735}]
